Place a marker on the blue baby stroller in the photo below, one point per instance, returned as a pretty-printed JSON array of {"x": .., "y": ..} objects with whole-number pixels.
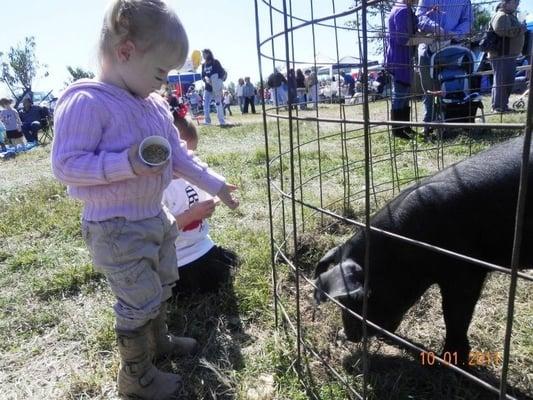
[{"x": 456, "y": 101}]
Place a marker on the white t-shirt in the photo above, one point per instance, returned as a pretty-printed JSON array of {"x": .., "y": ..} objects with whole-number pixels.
[
  {"x": 11, "y": 119},
  {"x": 193, "y": 240},
  {"x": 227, "y": 99},
  {"x": 239, "y": 90}
]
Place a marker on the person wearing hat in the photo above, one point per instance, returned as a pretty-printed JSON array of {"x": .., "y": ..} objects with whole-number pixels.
[{"x": 511, "y": 33}]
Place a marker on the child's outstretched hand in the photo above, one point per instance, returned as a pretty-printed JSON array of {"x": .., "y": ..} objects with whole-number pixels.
[
  {"x": 203, "y": 209},
  {"x": 139, "y": 167},
  {"x": 224, "y": 194}
]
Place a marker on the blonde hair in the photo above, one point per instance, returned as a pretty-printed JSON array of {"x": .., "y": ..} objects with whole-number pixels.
[{"x": 147, "y": 23}]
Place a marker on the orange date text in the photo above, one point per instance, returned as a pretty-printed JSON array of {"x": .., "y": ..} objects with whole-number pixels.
[{"x": 475, "y": 359}]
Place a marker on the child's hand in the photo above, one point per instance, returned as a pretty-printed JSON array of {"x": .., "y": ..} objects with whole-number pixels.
[
  {"x": 224, "y": 194},
  {"x": 139, "y": 167},
  {"x": 203, "y": 209}
]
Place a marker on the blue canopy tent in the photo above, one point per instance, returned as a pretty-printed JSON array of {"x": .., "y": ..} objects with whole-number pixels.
[{"x": 183, "y": 79}]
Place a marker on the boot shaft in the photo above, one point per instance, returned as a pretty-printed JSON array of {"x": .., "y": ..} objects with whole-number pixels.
[{"x": 133, "y": 347}]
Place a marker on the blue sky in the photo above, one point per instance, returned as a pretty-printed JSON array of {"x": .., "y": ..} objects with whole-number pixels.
[{"x": 66, "y": 32}]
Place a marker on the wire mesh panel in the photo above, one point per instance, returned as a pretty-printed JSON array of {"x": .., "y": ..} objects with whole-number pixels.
[{"x": 338, "y": 149}]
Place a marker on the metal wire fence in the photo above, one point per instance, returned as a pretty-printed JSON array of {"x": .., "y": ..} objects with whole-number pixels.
[{"x": 333, "y": 157}]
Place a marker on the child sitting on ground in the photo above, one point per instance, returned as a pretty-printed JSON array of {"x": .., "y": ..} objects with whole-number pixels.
[
  {"x": 99, "y": 124},
  {"x": 203, "y": 266}
]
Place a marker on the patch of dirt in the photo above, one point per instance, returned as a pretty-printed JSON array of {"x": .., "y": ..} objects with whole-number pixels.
[{"x": 25, "y": 169}]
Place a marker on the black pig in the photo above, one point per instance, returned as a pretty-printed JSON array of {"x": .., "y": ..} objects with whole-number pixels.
[{"x": 468, "y": 208}]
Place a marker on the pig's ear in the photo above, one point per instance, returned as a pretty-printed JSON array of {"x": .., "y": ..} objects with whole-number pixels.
[
  {"x": 331, "y": 257},
  {"x": 342, "y": 281}
]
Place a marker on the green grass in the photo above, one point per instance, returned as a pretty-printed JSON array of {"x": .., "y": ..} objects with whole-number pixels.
[{"x": 56, "y": 319}]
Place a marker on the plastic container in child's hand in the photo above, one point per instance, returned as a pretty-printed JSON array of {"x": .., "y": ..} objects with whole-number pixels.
[{"x": 154, "y": 150}]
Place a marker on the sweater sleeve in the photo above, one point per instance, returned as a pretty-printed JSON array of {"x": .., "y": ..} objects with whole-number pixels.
[
  {"x": 401, "y": 22},
  {"x": 76, "y": 159},
  {"x": 464, "y": 25},
  {"x": 430, "y": 21},
  {"x": 189, "y": 167},
  {"x": 184, "y": 163}
]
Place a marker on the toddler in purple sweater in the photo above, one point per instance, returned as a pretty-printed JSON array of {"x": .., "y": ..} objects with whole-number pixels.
[{"x": 98, "y": 127}]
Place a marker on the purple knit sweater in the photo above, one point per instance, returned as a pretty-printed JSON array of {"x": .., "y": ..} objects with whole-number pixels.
[{"x": 95, "y": 123}]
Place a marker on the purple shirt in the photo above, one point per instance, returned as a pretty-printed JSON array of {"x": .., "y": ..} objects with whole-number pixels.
[
  {"x": 402, "y": 25},
  {"x": 95, "y": 124},
  {"x": 454, "y": 17}
]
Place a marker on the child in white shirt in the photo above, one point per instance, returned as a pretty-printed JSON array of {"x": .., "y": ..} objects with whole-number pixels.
[
  {"x": 11, "y": 120},
  {"x": 203, "y": 266},
  {"x": 227, "y": 102}
]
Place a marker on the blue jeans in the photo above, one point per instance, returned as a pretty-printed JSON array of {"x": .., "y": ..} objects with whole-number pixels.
[
  {"x": 30, "y": 129},
  {"x": 400, "y": 95},
  {"x": 279, "y": 96},
  {"x": 208, "y": 96},
  {"x": 504, "y": 75}
]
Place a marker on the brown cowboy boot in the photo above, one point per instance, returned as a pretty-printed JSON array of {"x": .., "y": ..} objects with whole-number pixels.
[
  {"x": 138, "y": 378},
  {"x": 164, "y": 343}
]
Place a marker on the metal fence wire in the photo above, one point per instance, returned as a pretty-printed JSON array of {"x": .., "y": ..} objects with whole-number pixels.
[{"x": 332, "y": 161}]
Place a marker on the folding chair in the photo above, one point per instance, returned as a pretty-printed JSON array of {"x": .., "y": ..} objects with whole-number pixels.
[{"x": 46, "y": 133}]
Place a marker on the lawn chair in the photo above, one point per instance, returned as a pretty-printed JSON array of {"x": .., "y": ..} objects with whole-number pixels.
[{"x": 46, "y": 133}]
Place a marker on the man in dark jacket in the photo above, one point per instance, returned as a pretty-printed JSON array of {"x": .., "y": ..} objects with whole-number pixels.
[{"x": 31, "y": 117}]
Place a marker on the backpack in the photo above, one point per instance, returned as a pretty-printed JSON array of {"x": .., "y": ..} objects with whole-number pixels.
[
  {"x": 490, "y": 41},
  {"x": 224, "y": 74}
]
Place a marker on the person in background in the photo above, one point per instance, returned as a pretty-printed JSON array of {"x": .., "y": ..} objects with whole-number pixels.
[
  {"x": 402, "y": 24},
  {"x": 31, "y": 116},
  {"x": 276, "y": 82},
  {"x": 194, "y": 99},
  {"x": 227, "y": 102},
  {"x": 238, "y": 93},
  {"x": 212, "y": 74},
  {"x": 291, "y": 87},
  {"x": 99, "y": 125},
  {"x": 203, "y": 266},
  {"x": 446, "y": 21},
  {"x": 300, "y": 88},
  {"x": 511, "y": 31},
  {"x": 311, "y": 85},
  {"x": 382, "y": 82},
  {"x": 11, "y": 119},
  {"x": 248, "y": 92},
  {"x": 349, "y": 83}
]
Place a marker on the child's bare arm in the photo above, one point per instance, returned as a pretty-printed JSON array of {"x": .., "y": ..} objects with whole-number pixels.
[
  {"x": 226, "y": 196},
  {"x": 198, "y": 211}
]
